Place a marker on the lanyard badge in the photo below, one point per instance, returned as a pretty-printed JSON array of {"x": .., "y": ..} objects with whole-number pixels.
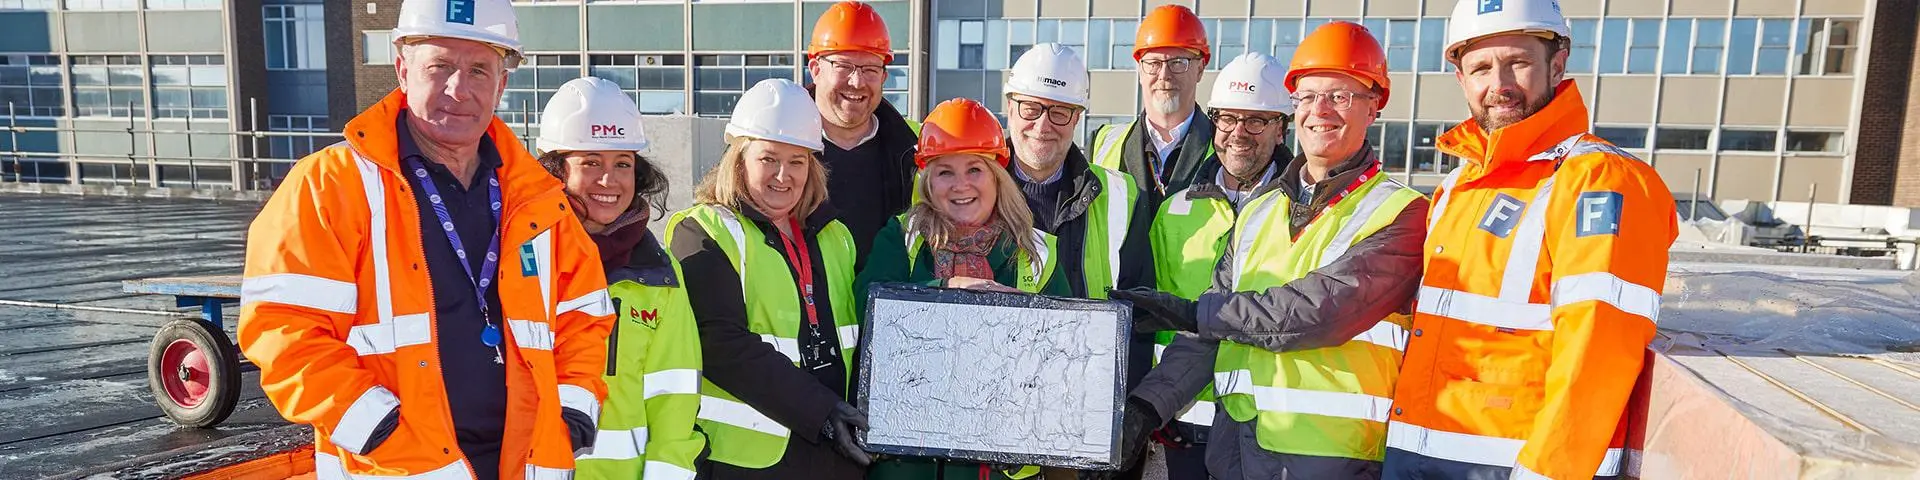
[{"x": 491, "y": 336}]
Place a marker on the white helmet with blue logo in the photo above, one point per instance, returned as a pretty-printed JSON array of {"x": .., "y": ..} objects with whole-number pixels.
[
  {"x": 1476, "y": 19},
  {"x": 486, "y": 21}
]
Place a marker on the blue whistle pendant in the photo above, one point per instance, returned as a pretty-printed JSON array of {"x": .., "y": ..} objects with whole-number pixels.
[{"x": 491, "y": 336}]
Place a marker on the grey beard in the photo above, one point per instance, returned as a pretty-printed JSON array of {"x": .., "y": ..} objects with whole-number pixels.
[{"x": 1163, "y": 106}]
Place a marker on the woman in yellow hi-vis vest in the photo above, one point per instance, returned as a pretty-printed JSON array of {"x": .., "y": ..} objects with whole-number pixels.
[
  {"x": 969, "y": 228},
  {"x": 770, "y": 275},
  {"x": 591, "y": 139}
]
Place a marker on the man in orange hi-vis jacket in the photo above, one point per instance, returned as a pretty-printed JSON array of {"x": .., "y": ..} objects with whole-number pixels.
[
  {"x": 1546, "y": 253},
  {"x": 420, "y": 293}
]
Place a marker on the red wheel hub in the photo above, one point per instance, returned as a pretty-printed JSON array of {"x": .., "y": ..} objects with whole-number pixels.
[{"x": 185, "y": 375}]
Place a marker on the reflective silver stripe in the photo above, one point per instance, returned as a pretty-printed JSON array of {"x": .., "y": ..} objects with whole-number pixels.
[
  {"x": 1385, "y": 334},
  {"x": 658, "y": 470},
  {"x": 786, "y": 346},
  {"x": 1369, "y": 204},
  {"x": 579, "y": 398},
  {"x": 543, "y": 268},
  {"x": 361, "y": 418},
  {"x": 1523, "y": 256},
  {"x": 536, "y": 472},
  {"x": 1474, "y": 449},
  {"x": 1178, "y": 203},
  {"x": 1358, "y": 406},
  {"x": 617, "y": 445},
  {"x": 1040, "y": 255},
  {"x": 1610, "y": 289},
  {"x": 739, "y": 241},
  {"x": 375, "y": 191},
  {"x": 738, "y": 414},
  {"x": 531, "y": 334},
  {"x": 1446, "y": 191},
  {"x": 1200, "y": 413},
  {"x": 1243, "y": 238},
  {"x": 1484, "y": 310},
  {"x": 385, "y": 337},
  {"x": 328, "y": 467},
  {"x": 1109, "y": 140},
  {"x": 849, "y": 336},
  {"x": 1118, "y": 215},
  {"x": 594, "y": 303},
  {"x": 1560, "y": 150},
  {"x": 670, "y": 382},
  {"x": 1521, "y": 472},
  {"x": 301, "y": 291}
]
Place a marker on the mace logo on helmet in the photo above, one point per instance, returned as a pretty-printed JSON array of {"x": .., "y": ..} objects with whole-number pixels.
[
  {"x": 1247, "y": 87},
  {"x": 1491, "y": 6},
  {"x": 1502, "y": 216},
  {"x": 1054, "y": 82},
  {"x": 606, "y": 131},
  {"x": 460, "y": 11}
]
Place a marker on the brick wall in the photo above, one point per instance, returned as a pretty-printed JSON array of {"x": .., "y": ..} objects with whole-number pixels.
[
  {"x": 342, "y": 63},
  {"x": 1889, "y": 129},
  {"x": 371, "y": 82}
]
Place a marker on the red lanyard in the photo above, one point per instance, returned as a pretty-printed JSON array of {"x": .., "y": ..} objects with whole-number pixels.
[
  {"x": 1368, "y": 174},
  {"x": 802, "y": 262}
]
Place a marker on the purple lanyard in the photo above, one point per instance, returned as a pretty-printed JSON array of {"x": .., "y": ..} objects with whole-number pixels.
[{"x": 491, "y": 336}]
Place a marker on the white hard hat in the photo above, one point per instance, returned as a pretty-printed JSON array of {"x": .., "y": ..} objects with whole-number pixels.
[
  {"x": 779, "y": 110},
  {"x": 487, "y": 21},
  {"x": 1252, "y": 81},
  {"x": 591, "y": 113},
  {"x": 1050, "y": 71},
  {"x": 1476, "y": 19}
]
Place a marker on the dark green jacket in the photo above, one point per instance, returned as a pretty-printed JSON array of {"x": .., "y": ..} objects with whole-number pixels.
[{"x": 888, "y": 263}]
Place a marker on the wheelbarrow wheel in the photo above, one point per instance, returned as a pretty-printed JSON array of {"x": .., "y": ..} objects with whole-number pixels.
[{"x": 194, "y": 372}]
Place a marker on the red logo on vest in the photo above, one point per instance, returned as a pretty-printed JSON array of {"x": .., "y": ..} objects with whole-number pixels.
[{"x": 649, "y": 318}]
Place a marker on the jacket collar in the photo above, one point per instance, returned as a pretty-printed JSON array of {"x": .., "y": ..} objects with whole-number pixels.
[
  {"x": 819, "y": 219},
  {"x": 1563, "y": 117},
  {"x": 372, "y": 135},
  {"x": 1204, "y": 185},
  {"x": 648, "y": 265},
  {"x": 1338, "y": 177}
]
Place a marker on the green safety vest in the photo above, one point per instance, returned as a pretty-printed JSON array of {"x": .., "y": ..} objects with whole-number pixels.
[
  {"x": 1108, "y": 218},
  {"x": 653, "y": 387},
  {"x": 738, "y": 434},
  {"x": 1328, "y": 402},
  {"x": 1107, "y": 147},
  {"x": 1189, "y": 236},
  {"x": 1033, "y": 275}
]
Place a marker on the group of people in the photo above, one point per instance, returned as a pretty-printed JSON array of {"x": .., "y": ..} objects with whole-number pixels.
[{"x": 439, "y": 302}]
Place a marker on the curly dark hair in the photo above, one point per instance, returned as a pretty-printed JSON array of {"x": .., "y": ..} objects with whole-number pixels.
[{"x": 649, "y": 184}]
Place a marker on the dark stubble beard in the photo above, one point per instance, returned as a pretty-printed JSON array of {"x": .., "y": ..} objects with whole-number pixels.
[{"x": 1489, "y": 123}]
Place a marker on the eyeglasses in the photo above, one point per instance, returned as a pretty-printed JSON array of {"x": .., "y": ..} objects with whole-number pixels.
[
  {"x": 1249, "y": 124},
  {"x": 1057, "y": 114},
  {"x": 1342, "y": 99},
  {"x": 866, "y": 72},
  {"x": 1175, "y": 65}
]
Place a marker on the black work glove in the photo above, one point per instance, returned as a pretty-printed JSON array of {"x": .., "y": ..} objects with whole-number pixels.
[
  {"x": 580, "y": 428},
  {"x": 1156, "y": 311},
  {"x": 842, "y": 429},
  {"x": 1136, "y": 428}
]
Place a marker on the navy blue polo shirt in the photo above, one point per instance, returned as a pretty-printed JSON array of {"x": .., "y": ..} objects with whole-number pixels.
[{"x": 476, "y": 385}]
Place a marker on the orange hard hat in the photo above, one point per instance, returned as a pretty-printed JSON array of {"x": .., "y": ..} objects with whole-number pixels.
[
  {"x": 1342, "y": 47},
  {"x": 851, "y": 27},
  {"x": 961, "y": 126},
  {"x": 1171, "y": 26}
]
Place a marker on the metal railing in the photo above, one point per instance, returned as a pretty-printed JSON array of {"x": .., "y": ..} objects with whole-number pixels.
[{"x": 249, "y": 162}]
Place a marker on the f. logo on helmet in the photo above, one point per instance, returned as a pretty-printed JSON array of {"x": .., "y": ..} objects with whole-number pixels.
[
  {"x": 460, "y": 11},
  {"x": 1491, "y": 6}
]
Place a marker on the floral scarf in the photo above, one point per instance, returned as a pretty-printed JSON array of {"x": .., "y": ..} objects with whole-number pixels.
[{"x": 965, "y": 255}]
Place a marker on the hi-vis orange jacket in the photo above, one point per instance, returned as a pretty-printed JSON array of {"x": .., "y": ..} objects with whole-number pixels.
[
  {"x": 337, "y": 311},
  {"x": 1546, "y": 254}
]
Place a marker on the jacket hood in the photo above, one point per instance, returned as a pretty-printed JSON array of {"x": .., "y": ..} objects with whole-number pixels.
[
  {"x": 522, "y": 179},
  {"x": 1563, "y": 117}
]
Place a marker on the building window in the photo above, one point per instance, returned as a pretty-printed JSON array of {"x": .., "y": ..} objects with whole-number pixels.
[
  {"x": 1740, "y": 45},
  {"x": 895, "y": 90},
  {"x": 183, "y": 4},
  {"x": 295, "y": 37},
  {"x": 103, "y": 4},
  {"x": 1748, "y": 140},
  {"x": 1286, "y": 38},
  {"x": 658, "y": 83},
  {"x": 1007, "y": 40},
  {"x": 1390, "y": 143},
  {"x": 189, "y": 86},
  {"x": 108, "y": 86},
  {"x": 30, "y": 86},
  {"x": 1229, "y": 41},
  {"x": 1816, "y": 142},
  {"x": 530, "y": 86},
  {"x": 1400, "y": 42},
  {"x": 377, "y": 46},
  {"x": 291, "y": 147},
  {"x": 29, "y": 4},
  {"x": 1122, "y": 51},
  {"x": 1099, "y": 41},
  {"x": 1709, "y": 40},
  {"x": 1613, "y": 46},
  {"x": 1623, "y": 137},
  {"x": 1826, "y": 46},
  {"x": 1643, "y": 54},
  {"x": 1682, "y": 138},
  {"x": 1427, "y": 157},
  {"x": 718, "y": 80},
  {"x": 1073, "y": 34},
  {"x": 973, "y": 44},
  {"x": 1586, "y": 41},
  {"x": 1679, "y": 34},
  {"x": 1776, "y": 45}
]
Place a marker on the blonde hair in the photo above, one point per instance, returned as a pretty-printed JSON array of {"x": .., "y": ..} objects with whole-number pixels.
[
  {"x": 726, "y": 184},
  {"x": 1010, "y": 213}
]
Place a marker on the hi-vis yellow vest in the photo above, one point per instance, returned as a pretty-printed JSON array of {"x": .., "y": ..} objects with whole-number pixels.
[
  {"x": 738, "y": 434},
  {"x": 1329, "y": 402}
]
